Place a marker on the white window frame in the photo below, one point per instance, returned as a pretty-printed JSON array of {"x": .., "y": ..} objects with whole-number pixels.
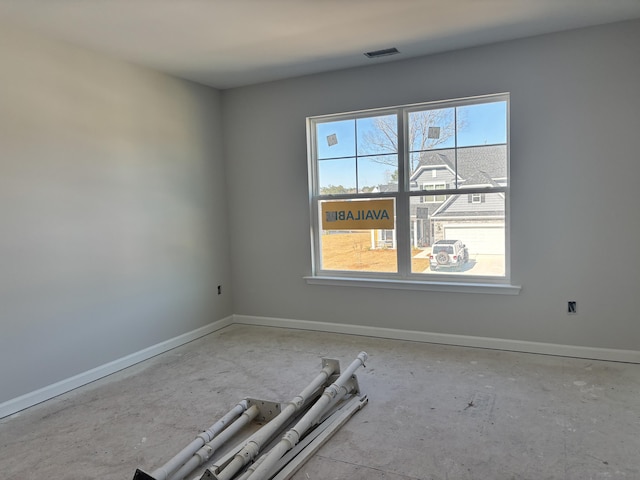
[{"x": 404, "y": 278}]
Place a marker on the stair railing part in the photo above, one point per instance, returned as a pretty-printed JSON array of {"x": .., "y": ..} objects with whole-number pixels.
[
  {"x": 221, "y": 462},
  {"x": 291, "y": 466},
  {"x": 165, "y": 471},
  {"x": 333, "y": 392},
  {"x": 257, "y": 441},
  {"x": 209, "y": 448},
  {"x": 292, "y": 454}
]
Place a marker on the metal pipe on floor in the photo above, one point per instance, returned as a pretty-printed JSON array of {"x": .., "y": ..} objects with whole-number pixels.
[
  {"x": 166, "y": 470},
  {"x": 205, "y": 453},
  {"x": 332, "y": 393},
  {"x": 257, "y": 441}
]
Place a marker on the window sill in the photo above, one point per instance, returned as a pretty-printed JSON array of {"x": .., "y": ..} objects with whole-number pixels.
[{"x": 456, "y": 287}]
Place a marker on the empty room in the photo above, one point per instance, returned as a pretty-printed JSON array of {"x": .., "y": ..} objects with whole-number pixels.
[{"x": 319, "y": 239}]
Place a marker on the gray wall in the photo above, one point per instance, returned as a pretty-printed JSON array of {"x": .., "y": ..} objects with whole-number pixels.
[
  {"x": 113, "y": 210},
  {"x": 575, "y": 122}
]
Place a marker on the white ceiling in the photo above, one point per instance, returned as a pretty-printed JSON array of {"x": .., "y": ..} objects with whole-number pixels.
[{"x": 230, "y": 43}]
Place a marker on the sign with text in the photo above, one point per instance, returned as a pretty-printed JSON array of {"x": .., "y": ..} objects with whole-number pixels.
[{"x": 358, "y": 215}]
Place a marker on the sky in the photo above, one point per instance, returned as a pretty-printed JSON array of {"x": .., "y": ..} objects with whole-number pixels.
[{"x": 480, "y": 124}]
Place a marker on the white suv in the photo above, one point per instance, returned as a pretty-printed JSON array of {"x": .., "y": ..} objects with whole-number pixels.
[{"x": 448, "y": 254}]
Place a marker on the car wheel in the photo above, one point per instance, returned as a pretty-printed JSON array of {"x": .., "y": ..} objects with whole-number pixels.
[{"x": 433, "y": 269}]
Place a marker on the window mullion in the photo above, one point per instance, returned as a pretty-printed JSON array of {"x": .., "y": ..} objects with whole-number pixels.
[
  {"x": 455, "y": 143},
  {"x": 403, "y": 225}
]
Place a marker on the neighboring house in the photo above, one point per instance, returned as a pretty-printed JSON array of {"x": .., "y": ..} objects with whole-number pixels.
[
  {"x": 384, "y": 238},
  {"x": 435, "y": 171},
  {"x": 476, "y": 219}
]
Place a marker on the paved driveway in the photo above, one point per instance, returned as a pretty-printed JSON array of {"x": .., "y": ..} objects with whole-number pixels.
[{"x": 478, "y": 265}]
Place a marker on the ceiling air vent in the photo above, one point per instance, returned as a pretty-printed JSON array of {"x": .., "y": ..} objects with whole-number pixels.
[{"x": 382, "y": 53}]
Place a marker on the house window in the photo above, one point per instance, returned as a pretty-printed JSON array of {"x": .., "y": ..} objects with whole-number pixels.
[
  {"x": 434, "y": 198},
  {"x": 369, "y": 171}
]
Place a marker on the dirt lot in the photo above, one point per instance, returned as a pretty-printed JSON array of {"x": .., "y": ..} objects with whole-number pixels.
[{"x": 352, "y": 251}]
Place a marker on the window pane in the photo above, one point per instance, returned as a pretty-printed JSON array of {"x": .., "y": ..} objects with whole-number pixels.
[
  {"x": 337, "y": 176},
  {"x": 378, "y": 174},
  {"x": 377, "y": 135},
  {"x": 482, "y": 166},
  {"x": 336, "y": 139},
  {"x": 482, "y": 124},
  {"x": 470, "y": 227},
  {"x": 430, "y": 129},
  {"x": 433, "y": 168},
  {"x": 364, "y": 250},
  {"x": 361, "y": 251}
]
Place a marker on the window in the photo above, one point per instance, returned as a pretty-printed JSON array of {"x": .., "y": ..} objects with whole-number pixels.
[
  {"x": 375, "y": 213},
  {"x": 434, "y": 198},
  {"x": 476, "y": 198}
]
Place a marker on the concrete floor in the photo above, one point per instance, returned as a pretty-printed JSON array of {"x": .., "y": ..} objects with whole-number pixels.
[{"x": 434, "y": 412}]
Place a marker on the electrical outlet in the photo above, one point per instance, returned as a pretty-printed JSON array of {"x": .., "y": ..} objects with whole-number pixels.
[
  {"x": 219, "y": 289},
  {"x": 572, "y": 308}
]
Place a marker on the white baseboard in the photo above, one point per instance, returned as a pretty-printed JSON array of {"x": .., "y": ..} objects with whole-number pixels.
[
  {"x": 594, "y": 353},
  {"x": 20, "y": 403},
  {"x": 24, "y": 401}
]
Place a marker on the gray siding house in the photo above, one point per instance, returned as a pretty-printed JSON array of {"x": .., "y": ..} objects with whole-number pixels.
[{"x": 476, "y": 219}]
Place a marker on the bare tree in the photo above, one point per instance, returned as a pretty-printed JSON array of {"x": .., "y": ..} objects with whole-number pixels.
[{"x": 427, "y": 130}]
